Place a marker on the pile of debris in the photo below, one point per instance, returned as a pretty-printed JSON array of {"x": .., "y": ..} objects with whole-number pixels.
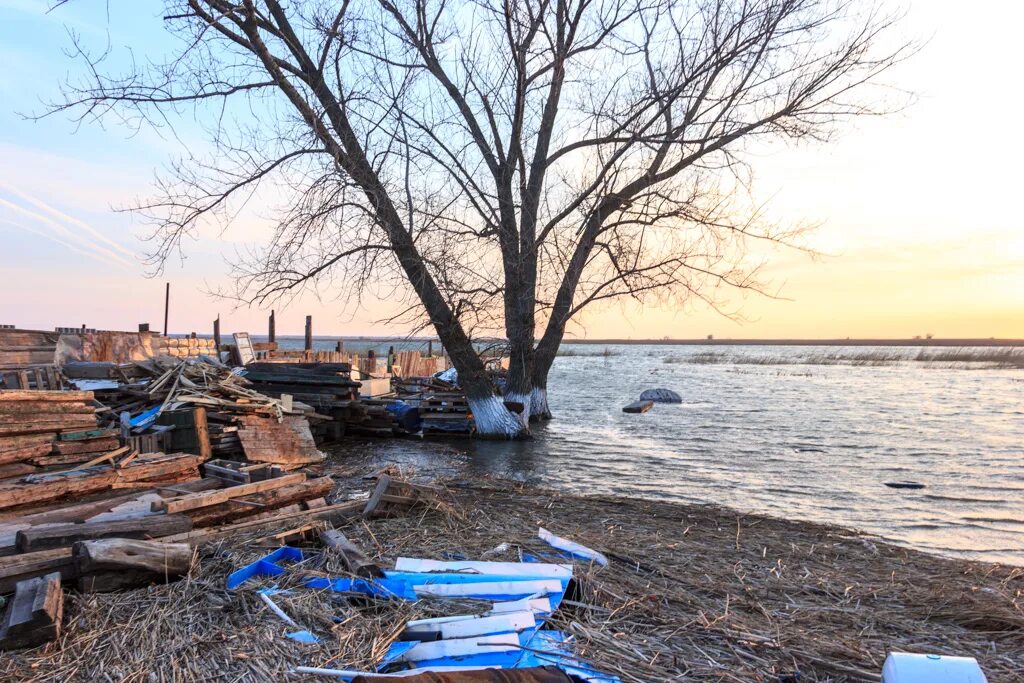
[
  {"x": 117, "y": 541},
  {"x": 40, "y": 429},
  {"x": 161, "y": 399}
]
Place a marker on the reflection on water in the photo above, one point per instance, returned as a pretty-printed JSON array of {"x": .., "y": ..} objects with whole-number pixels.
[{"x": 802, "y": 440}]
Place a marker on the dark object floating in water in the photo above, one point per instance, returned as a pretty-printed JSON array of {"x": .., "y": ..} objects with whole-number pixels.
[
  {"x": 904, "y": 485},
  {"x": 661, "y": 396},
  {"x": 638, "y": 407}
]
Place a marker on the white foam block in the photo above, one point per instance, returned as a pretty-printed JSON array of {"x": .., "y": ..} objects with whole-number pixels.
[
  {"x": 462, "y": 647},
  {"x": 538, "y": 569},
  {"x": 470, "y": 590}
]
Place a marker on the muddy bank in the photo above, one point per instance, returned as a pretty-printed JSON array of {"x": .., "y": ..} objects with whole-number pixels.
[{"x": 691, "y": 592}]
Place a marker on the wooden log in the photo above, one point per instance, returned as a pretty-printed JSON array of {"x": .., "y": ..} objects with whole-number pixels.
[
  {"x": 66, "y": 535},
  {"x": 26, "y": 453},
  {"x": 33, "y": 617},
  {"x": 638, "y": 407},
  {"x": 351, "y": 556},
  {"x": 263, "y": 501},
  {"x": 165, "y": 559},
  {"x": 199, "y": 500},
  {"x": 47, "y": 487}
]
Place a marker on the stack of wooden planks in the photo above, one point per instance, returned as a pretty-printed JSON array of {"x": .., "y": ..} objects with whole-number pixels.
[
  {"x": 415, "y": 364},
  {"x": 23, "y": 349},
  {"x": 325, "y": 386},
  {"x": 49, "y": 428}
]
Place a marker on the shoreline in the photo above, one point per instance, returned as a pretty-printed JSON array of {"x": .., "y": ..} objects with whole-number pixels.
[{"x": 691, "y": 590}]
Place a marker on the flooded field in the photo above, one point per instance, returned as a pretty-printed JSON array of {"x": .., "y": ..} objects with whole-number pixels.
[{"x": 810, "y": 433}]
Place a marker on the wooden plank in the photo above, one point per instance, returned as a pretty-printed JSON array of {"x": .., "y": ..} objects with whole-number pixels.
[
  {"x": 198, "y": 500},
  {"x": 26, "y": 453},
  {"x": 100, "y": 445},
  {"x": 16, "y": 469},
  {"x": 236, "y": 508},
  {"x": 103, "y": 458},
  {"x": 334, "y": 513},
  {"x": 47, "y": 487},
  {"x": 286, "y": 443},
  {"x": 383, "y": 482},
  {"x": 66, "y": 535},
  {"x": 202, "y": 432},
  {"x": 37, "y": 427},
  {"x": 59, "y": 396},
  {"x": 20, "y": 567},
  {"x": 82, "y": 435}
]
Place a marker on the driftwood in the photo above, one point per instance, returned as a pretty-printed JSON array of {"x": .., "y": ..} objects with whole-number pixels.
[
  {"x": 34, "y": 614},
  {"x": 63, "y": 535},
  {"x": 117, "y": 563},
  {"x": 351, "y": 556}
]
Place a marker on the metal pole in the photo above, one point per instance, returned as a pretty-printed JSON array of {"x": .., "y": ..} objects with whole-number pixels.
[{"x": 167, "y": 307}]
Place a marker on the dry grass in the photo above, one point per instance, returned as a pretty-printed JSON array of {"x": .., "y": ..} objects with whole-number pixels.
[{"x": 693, "y": 593}]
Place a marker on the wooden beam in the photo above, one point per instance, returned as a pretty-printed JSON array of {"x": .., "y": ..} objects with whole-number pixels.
[
  {"x": 383, "y": 482},
  {"x": 33, "y": 616},
  {"x": 66, "y": 535},
  {"x": 103, "y": 458},
  {"x": 351, "y": 556},
  {"x": 199, "y": 500}
]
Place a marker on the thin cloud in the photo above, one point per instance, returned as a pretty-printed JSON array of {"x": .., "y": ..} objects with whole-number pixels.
[
  {"x": 53, "y": 238},
  {"x": 40, "y": 204},
  {"x": 82, "y": 241}
]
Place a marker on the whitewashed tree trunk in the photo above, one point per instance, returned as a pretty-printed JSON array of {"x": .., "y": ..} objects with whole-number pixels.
[
  {"x": 526, "y": 400},
  {"x": 494, "y": 420},
  {"x": 539, "y": 409}
]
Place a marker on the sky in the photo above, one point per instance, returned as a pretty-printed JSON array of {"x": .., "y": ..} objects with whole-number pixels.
[{"x": 919, "y": 232}]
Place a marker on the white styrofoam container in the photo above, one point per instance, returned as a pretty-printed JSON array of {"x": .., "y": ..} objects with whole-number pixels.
[{"x": 902, "y": 667}]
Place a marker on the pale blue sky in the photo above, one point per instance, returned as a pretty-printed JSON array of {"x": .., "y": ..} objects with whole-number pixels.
[{"x": 919, "y": 209}]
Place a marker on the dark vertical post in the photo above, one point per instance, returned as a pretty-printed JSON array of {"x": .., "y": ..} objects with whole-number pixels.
[
  {"x": 167, "y": 307},
  {"x": 430, "y": 348},
  {"x": 216, "y": 332},
  {"x": 309, "y": 333},
  {"x": 272, "y": 331},
  {"x": 341, "y": 346}
]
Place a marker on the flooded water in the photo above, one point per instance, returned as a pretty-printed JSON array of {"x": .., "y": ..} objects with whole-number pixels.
[{"x": 808, "y": 433}]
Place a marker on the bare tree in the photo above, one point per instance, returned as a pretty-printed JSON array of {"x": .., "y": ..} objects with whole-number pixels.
[{"x": 498, "y": 166}]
